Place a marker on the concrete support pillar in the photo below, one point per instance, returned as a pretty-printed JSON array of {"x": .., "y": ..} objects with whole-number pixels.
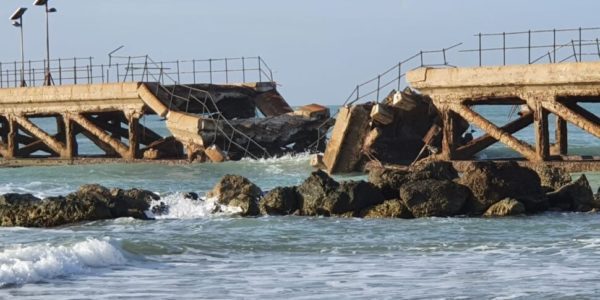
[
  {"x": 542, "y": 135},
  {"x": 134, "y": 145},
  {"x": 562, "y": 136},
  {"x": 449, "y": 140},
  {"x": 12, "y": 144},
  {"x": 70, "y": 137}
]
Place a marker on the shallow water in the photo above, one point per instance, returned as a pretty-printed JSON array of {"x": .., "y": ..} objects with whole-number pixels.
[{"x": 192, "y": 254}]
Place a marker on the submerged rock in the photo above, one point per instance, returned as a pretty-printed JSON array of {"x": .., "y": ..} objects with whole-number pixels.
[
  {"x": 505, "y": 207},
  {"x": 89, "y": 203},
  {"x": 575, "y": 196},
  {"x": 491, "y": 182},
  {"x": 434, "y": 198},
  {"x": 18, "y": 199},
  {"x": 237, "y": 191},
  {"x": 394, "y": 208},
  {"x": 280, "y": 201}
]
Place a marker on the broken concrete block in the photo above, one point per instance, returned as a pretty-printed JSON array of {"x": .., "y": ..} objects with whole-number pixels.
[
  {"x": 382, "y": 114},
  {"x": 316, "y": 161},
  {"x": 344, "y": 149},
  {"x": 433, "y": 133},
  {"x": 403, "y": 101},
  {"x": 151, "y": 154},
  {"x": 215, "y": 154},
  {"x": 313, "y": 111}
]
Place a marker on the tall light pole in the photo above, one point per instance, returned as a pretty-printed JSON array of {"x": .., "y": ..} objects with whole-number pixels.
[
  {"x": 17, "y": 20},
  {"x": 48, "y": 77}
]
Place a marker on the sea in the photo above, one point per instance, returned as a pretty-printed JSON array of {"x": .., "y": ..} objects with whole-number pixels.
[{"x": 193, "y": 254}]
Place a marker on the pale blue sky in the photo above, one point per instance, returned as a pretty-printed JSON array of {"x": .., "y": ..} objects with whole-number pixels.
[{"x": 319, "y": 49}]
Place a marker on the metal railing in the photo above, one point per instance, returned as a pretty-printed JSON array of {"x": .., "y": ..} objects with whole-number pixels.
[
  {"x": 79, "y": 70},
  {"x": 557, "y": 45},
  {"x": 394, "y": 75}
]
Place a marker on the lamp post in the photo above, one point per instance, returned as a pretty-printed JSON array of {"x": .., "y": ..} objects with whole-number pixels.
[
  {"x": 48, "y": 77},
  {"x": 17, "y": 21}
]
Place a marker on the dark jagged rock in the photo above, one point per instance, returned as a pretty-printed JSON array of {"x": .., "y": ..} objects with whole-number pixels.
[
  {"x": 394, "y": 208},
  {"x": 191, "y": 196},
  {"x": 491, "y": 182},
  {"x": 17, "y": 199},
  {"x": 434, "y": 198},
  {"x": 321, "y": 195},
  {"x": 552, "y": 178},
  {"x": 160, "y": 209},
  {"x": 280, "y": 201},
  {"x": 575, "y": 196},
  {"x": 504, "y": 208},
  {"x": 89, "y": 203},
  {"x": 438, "y": 170},
  {"x": 237, "y": 191},
  {"x": 388, "y": 181}
]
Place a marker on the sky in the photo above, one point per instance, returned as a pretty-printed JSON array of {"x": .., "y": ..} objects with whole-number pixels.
[{"x": 319, "y": 50}]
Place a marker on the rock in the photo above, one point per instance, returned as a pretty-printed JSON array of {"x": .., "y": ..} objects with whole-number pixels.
[
  {"x": 321, "y": 195},
  {"x": 575, "y": 196},
  {"x": 234, "y": 190},
  {"x": 280, "y": 201},
  {"x": 18, "y": 199},
  {"x": 552, "y": 178},
  {"x": 160, "y": 209},
  {"x": 439, "y": 170},
  {"x": 360, "y": 195},
  {"x": 88, "y": 203},
  {"x": 317, "y": 193},
  {"x": 151, "y": 154},
  {"x": 491, "y": 182},
  {"x": 388, "y": 181},
  {"x": 191, "y": 196},
  {"x": 394, "y": 208},
  {"x": 434, "y": 198},
  {"x": 505, "y": 207}
]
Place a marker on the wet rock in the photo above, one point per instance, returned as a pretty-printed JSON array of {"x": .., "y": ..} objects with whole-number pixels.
[
  {"x": 505, "y": 207},
  {"x": 280, "y": 201},
  {"x": 191, "y": 196},
  {"x": 88, "y": 203},
  {"x": 439, "y": 170},
  {"x": 394, "y": 208},
  {"x": 18, "y": 199},
  {"x": 234, "y": 190},
  {"x": 575, "y": 196},
  {"x": 388, "y": 181},
  {"x": 552, "y": 178},
  {"x": 321, "y": 195},
  {"x": 434, "y": 198},
  {"x": 491, "y": 182},
  {"x": 160, "y": 209}
]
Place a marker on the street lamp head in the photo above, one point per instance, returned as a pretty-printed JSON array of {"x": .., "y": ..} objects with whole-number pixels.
[
  {"x": 16, "y": 24},
  {"x": 52, "y": 10},
  {"x": 18, "y": 14},
  {"x": 40, "y": 2}
]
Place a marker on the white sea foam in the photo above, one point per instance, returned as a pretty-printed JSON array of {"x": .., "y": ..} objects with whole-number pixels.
[
  {"x": 184, "y": 208},
  {"x": 25, "y": 264}
]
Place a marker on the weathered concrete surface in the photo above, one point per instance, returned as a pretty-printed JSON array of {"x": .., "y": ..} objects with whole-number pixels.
[{"x": 344, "y": 148}]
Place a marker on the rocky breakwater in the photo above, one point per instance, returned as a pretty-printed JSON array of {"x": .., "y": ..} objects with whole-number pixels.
[
  {"x": 89, "y": 203},
  {"x": 435, "y": 189}
]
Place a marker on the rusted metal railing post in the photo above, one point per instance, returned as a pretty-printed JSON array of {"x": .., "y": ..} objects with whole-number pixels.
[
  {"x": 210, "y": 72},
  {"x": 259, "y": 70},
  {"x": 74, "y": 70},
  {"x": 480, "y": 55},
  {"x": 529, "y": 47},
  {"x": 504, "y": 48},
  {"x": 243, "y": 69}
]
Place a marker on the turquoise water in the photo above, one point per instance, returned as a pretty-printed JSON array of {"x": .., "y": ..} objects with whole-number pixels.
[{"x": 191, "y": 254}]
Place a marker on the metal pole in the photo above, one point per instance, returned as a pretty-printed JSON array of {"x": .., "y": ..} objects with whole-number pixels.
[
  {"x": 399, "y": 75},
  {"x": 91, "y": 72},
  {"x": 210, "y": 69},
  {"x": 178, "y": 75},
  {"x": 259, "y": 70},
  {"x": 48, "y": 77},
  {"x": 378, "y": 87},
  {"x": 74, "y": 70},
  {"x": 421, "y": 53},
  {"x": 243, "y": 69},
  {"x": 194, "y": 69},
  {"x": 23, "y": 84},
  {"x": 580, "y": 57},
  {"x": 102, "y": 71},
  {"x": 554, "y": 44},
  {"x": 226, "y": 72},
  {"x": 504, "y": 48},
  {"x": 357, "y": 92},
  {"x": 480, "y": 60},
  {"x": 529, "y": 47},
  {"x": 1, "y": 79},
  {"x": 60, "y": 71}
]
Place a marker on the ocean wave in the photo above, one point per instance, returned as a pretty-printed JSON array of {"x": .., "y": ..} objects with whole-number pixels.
[
  {"x": 26, "y": 264},
  {"x": 180, "y": 207}
]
